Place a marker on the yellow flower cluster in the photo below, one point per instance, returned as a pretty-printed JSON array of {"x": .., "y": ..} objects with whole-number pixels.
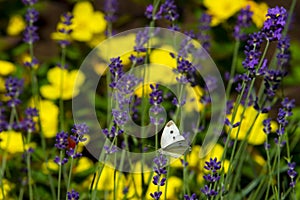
[
  {"x": 61, "y": 79},
  {"x": 221, "y": 10},
  {"x": 256, "y": 135},
  {"x": 87, "y": 25}
]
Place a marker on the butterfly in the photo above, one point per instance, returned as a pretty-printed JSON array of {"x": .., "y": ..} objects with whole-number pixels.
[{"x": 172, "y": 142}]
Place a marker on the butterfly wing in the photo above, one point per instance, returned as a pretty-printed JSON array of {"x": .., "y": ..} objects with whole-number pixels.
[
  {"x": 172, "y": 142},
  {"x": 170, "y": 135}
]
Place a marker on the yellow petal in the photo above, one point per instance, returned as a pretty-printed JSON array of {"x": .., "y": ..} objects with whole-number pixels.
[
  {"x": 6, "y": 68},
  {"x": 11, "y": 141},
  {"x": 83, "y": 8},
  {"x": 259, "y": 12},
  {"x": 221, "y": 10},
  {"x": 50, "y": 92},
  {"x": 256, "y": 136},
  {"x": 16, "y": 25},
  {"x": 49, "y": 118},
  {"x": 163, "y": 57},
  {"x": 97, "y": 22}
]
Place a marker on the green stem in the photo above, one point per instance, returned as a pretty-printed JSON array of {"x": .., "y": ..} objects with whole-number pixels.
[
  {"x": 70, "y": 171},
  {"x": 278, "y": 165},
  {"x": 29, "y": 167},
  {"x": 59, "y": 174},
  {"x": 61, "y": 102},
  {"x": 233, "y": 66}
]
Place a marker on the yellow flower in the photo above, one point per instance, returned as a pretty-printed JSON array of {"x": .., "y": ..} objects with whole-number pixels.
[
  {"x": 257, "y": 135},
  {"x": 83, "y": 164},
  {"x": 2, "y": 85},
  {"x": 59, "y": 35},
  {"x": 86, "y": 22},
  {"x": 106, "y": 182},
  {"x": 71, "y": 83},
  {"x": 12, "y": 142},
  {"x": 145, "y": 87},
  {"x": 27, "y": 58},
  {"x": 135, "y": 181},
  {"x": 193, "y": 158},
  {"x": 16, "y": 25},
  {"x": 193, "y": 97},
  {"x": 7, "y": 186},
  {"x": 259, "y": 10},
  {"x": 221, "y": 10},
  {"x": 49, "y": 118},
  {"x": 97, "y": 39},
  {"x": 6, "y": 68},
  {"x": 49, "y": 166},
  {"x": 173, "y": 190},
  {"x": 163, "y": 57}
]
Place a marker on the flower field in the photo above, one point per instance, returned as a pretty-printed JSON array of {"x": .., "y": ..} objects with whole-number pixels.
[{"x": 156, "y": 99}]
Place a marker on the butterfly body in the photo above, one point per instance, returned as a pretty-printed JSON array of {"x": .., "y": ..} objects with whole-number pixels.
[{"x": 172, "y": 142}]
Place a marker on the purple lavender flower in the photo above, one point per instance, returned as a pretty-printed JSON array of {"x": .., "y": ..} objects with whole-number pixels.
[
  {"x": 272, "y": 80},
  {"x": 169, "y": 10},
  {"x": 110, "y": 150},
  {"x": 66, "y": 19},
  {"x": 110, "y": 9},
  {"x": 156, "y": 195},
  {"x": 156, "y": 98},
  {"x": 204, "y": 28},
  {"x": 31, "y": 63},
  {"x": 61, "y": 140},
  {"x": 134, "y": 109},
  {"x": 59, "y": 161},
  {"x": 14, "y": 88},
  {"x": 213, "y": 166},
  {"x": 267, "y": 126},
  {"x": 31, "y": 15},
  {"x": 113, "y": 132},
  {"x": 127, "y": 84},
  {"x": 71, "y": 153},
  {"x": 28, "y": 123},
  {"x": 177, "y": 103},
  {"x": 120, "y": 117},
  {"x": 30, "y": 33},
  {"x": 228, "y": 123},
  {"x": 274, "y": 25},
  {"x": 284, "y": 113},
  {"x": 283, "y": 55},
  {"x": 149, "y": 13},
  {"x": 79, "y": 130},
  {"x": 267, "y": 146},
  {"x": 73, "y": 195},
  {"x": 292, "y": 173},
  {"x": 160, "y": 162},
  {"x": 29, "y": 2},
  {"x": 156, "y": 95},
  {"x": 142, "y": 37},
  {"x": 208, "y": 192},
  {"x": 244, "y": 21},
  {"x": 3, "y": 121},
  {"x": 192, "y": 197},
  {"x": 116, "y": 70}
]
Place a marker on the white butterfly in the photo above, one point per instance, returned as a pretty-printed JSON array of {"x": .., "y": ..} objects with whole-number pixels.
[{"x": 172, "y": 142}]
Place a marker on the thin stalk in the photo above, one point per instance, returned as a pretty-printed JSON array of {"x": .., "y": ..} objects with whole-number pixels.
[
  {"x": 61, "y": 102},
  {"x": 59, "y": 174},
  {"x": 278, "y": 165},
  {"x": 233, "y": 66},
  {"x": 70, "y": 171},
  {"x": 29, "y": 167}
]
